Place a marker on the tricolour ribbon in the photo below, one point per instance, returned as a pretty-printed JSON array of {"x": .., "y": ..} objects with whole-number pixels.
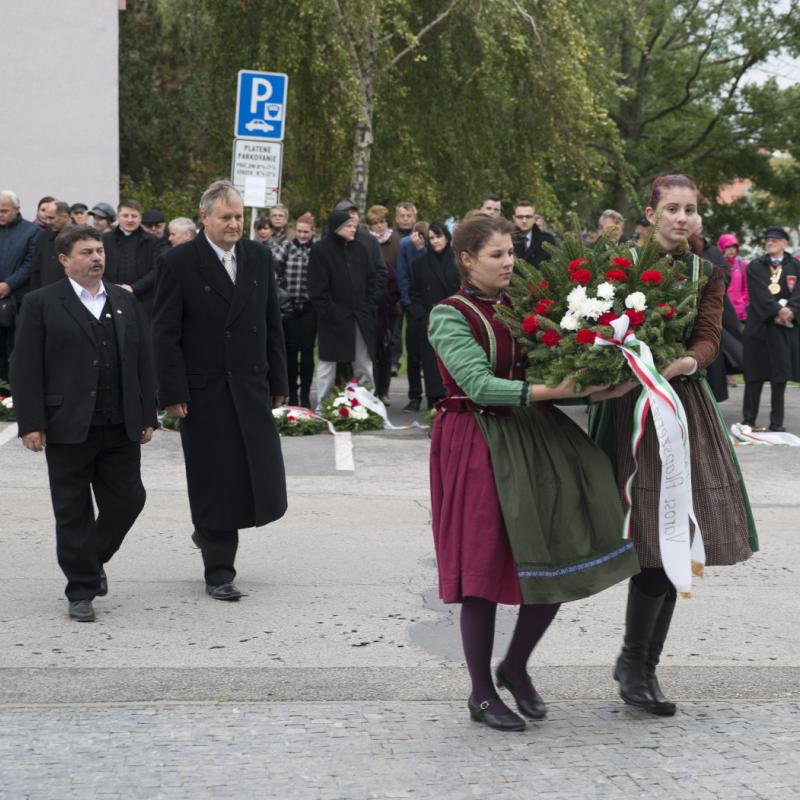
[{"x": 681, "y": 553}]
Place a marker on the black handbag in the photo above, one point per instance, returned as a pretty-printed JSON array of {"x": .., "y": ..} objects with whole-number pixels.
[{"x": 8, "y": 312}]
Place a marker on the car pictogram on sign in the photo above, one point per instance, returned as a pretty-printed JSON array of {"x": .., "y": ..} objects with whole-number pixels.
[{"x": 259, "y": 125}]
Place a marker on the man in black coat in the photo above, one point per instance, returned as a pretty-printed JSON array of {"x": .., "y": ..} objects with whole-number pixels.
[
  {"x": 83, "y": 388},
  {"x": 45, "y": 266},
  {"x": 529, "y": 240},
  {"x": 342, "y": 284},
  {"x": 221, "y": 368},
  {"x": 131, "y": 255},
  {"x": 771, "y": 334}
]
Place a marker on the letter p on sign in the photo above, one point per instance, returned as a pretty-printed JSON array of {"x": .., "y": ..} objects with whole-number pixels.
[{"x": 260, "y": 92}]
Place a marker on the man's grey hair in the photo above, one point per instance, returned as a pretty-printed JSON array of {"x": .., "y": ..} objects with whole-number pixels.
[
  {"x": 279, "y": 207},
  {"x": 11, "y": 196},
  {"x": 62, "y": 207},
  {"x": 609, "y": 213},
  {"x": 184, "y": 225},
  {"x": 219, "y": 190}
]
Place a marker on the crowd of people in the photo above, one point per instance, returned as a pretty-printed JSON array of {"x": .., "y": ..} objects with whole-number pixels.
[{"x": 414, "y": 268}]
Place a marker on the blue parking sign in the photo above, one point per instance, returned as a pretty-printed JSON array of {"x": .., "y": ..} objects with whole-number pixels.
[{"x": 260, "y": 105}]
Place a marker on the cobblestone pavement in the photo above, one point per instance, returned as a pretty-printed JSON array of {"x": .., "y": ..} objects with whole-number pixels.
[{"x": 349, "y": 751}]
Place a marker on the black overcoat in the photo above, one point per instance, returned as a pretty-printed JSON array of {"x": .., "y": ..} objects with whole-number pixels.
[
  {"x": 45, "y": 266},
  {"x": 142, "y": 277},
  {"x": 220, "y": 348},
  {"x": 536, "y": 253},
  {"x": 342, "y": 285},
  {"x": 771, "y": 352},
  {"x": 55, "y": 363}
]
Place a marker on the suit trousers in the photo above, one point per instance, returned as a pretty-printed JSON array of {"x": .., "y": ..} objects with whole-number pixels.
[
  {"x": 752, "y": 400},
  {"x": 362, "y": 369},
  {"x": 300, "y": 332},
  {"x": 6, "y": 346},
  {"x": 219, "y": 552},
  {"x": 413, "y": 359},
  {"x": 108, "y": 463}
]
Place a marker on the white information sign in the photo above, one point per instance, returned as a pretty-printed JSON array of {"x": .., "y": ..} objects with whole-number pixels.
[{"x": 256, "y": 171}]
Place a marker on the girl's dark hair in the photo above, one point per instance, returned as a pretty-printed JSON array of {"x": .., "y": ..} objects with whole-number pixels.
[
  {"x": 440, "y": 229},
  {"x": 669, "y": 181},
  {"x": 471, "y": 235}
]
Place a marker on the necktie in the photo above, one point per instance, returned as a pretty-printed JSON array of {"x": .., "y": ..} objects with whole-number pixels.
[{"x": 227, "y": 262}]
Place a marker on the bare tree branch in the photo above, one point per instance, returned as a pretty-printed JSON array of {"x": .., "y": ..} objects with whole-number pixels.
[
  {"x": 430, "y": 26},
  {"x": 528, "y": 18}
]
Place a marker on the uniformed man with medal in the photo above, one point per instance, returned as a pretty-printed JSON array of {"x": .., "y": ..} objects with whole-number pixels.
[{"x": 772, "y": 331}]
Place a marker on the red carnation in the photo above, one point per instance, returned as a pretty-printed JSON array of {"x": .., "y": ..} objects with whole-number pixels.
[
  {"x": 585, "y": 336},
  {"x": 636, "y": 317},
  {"x": 291, "y": 418},
  {"x": 344, "y": 411},
  {"x": 543, "y": 283},
  {"x": 607, "y": 318},
  {"x": 543, "y": 306},
  {"x": 575, "y": 264},
  {"x": 354, "y": 403},
  {"x": 652, "y": 276},
  {"x": 550, "y": 339},
  {"x": 530, "y": 324},
  {"x": 582, "y": 276},
  {"x": 621, "y": 262},
  {"x": 616, "y": 275},
  {"x": 669, "y": 311}
]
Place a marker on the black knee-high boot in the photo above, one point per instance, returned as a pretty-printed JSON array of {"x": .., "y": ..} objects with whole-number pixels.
[
  {"x": 631, "y": 668},
  {"x": 661, "y": 706}
]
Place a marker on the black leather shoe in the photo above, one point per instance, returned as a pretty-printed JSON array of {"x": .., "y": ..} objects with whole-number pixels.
[
  {"x": 533, "y": 708},
  {"x": 103, "y": 590},
  {"x": 225, "y": 591},
  {"x": 500, "y": 722},
  {"x": 412, "y": 405},
  {"x": 777, "y": 428},
  {"x": 81, "y": 610}
]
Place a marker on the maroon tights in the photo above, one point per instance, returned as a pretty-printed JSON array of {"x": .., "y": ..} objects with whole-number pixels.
[{"x": 477, "y": 636}]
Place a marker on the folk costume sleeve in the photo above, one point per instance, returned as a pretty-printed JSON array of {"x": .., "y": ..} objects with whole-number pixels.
[
  {"x": 466, "y": 361},
  {"x": 704, "y": 344}
]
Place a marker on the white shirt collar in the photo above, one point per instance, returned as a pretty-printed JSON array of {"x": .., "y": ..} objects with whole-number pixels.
[
  {"x": 219, "y": 251},
  {"x": 83, "y": 292}
]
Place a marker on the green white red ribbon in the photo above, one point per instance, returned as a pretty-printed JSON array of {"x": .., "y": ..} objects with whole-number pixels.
[{"x": 676, "y": 519}]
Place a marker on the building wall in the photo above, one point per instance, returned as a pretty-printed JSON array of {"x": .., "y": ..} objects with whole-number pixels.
[{"x": 59, "y": 109}]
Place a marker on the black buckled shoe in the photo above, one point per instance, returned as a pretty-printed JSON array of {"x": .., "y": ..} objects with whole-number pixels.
[
  {"x": 103, "y": 589},
  {"x": 500, "y": 722},
  {"x": 224, "y": 591},
  {"x": 777, "y": 428},
  {"x": 81, "y": 610},
  {"x": 532, "y": 708},
  {"x": 412, "y": 405}
]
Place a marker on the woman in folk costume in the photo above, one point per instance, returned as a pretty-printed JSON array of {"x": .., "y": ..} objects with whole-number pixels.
[
  {"x": 720, "y": 501},
  {"x": 524, "y": 504}
]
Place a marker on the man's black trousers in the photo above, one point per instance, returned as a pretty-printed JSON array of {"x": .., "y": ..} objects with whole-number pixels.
[{"x": 108, "y": 464}]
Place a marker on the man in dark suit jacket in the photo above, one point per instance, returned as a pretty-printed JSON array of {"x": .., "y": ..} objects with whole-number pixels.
[
  {"x": 45, "y": 266},
  {"x": 530, "y": 238},
  {"x": 221, "y": 368},
  {"x": 83, "y": 388}
]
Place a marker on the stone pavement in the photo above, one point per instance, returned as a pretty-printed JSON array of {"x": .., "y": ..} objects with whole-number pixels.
[{"x": 340, "y": 675}]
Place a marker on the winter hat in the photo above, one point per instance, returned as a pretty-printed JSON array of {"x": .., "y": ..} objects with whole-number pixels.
[
  {"x": 727, "y": 240},
  {"x": 337, "y": 220},
  {"x": 346, "y": 205},
  {"x": 776, "y": 232}
]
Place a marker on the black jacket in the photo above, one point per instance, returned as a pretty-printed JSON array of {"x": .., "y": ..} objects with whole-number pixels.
[
  {"x": 342, "y": 286},
  {"x": 54, "y": 366},
  {"x": 220, "y": 348},
  {"x": 433, "y": 278},
  {"x": 771, "y": 352},
  {"x": 139, "y": 273},
  {"x": 536, "y": 253},
  {"x": 45, "y": 266}
]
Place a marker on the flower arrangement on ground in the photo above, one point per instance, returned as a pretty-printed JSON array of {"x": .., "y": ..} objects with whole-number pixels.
[
  {"x": 563, "y": 310},
  {"x": 294, "y": 421},
  {"x": 347, "y": 413},
  {"x": 6, "y": 403}
]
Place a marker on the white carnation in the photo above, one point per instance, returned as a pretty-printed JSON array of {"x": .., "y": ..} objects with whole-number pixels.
[
  {"x": 593, "y": 307},
  {"x": 359, "y": 412},
  {"x": 276, "y": 412},
  {"x": 606, "y": 291},
  {"x": 637, "y": 301},
  {"x": 570, "y": 322},
  {"x": 576, "y": 298},
  {"x": 341, "y": 401}
]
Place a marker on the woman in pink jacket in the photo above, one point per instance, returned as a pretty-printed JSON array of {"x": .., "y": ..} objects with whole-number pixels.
[{"x": 728, "y": 245}]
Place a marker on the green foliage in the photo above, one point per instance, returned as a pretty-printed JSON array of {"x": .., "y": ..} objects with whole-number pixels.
[{"x": 559, "y": 308}]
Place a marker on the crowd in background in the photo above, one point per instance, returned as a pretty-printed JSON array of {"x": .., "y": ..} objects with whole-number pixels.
[{"x": 398, "y": 268}]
